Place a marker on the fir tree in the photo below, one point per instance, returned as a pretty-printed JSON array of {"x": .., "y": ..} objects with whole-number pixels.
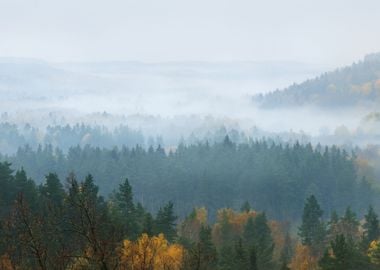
[
  {"x": 345, "y": 256},
  {"x": 312, "y": 230},
  {"x": 240, "y": 259},
  {"x": 166, "y": 222},
  {"x": 257, "y": 237},
  {"x": 202, "y": 255},
  {"x": 125, "y": 210},
  {"x": 371, "y": 227},
  {"x": 246, "y": 207}
]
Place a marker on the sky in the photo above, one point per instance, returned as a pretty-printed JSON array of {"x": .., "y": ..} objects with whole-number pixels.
[{"x": 329, "y": 32}]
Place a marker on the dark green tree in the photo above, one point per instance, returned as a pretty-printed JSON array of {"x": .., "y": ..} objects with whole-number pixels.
[
  {"x": 246, "y": 207},
  {"x": 371, "y": 227},
  {"x": 312, "y": 230},
  {"x": 202, "y": 255},
  {"x": 258, "y": 239},
  {"x": 166, "y": 222},
  {"x": 345, "y": 256},
  {"x": 249, "y": 232},
  {"x": 253, "y": 258},
  {"x": 52, "y": 190},
  {"x": 240, "y": 256},
  {"x": 26, "y": 187},
  {"x": 349, "y": 225},
  {"x": 124, "y": 211}
]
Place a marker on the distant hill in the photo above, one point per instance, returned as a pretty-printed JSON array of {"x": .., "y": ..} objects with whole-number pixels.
[{"x": 356, "y": 85}]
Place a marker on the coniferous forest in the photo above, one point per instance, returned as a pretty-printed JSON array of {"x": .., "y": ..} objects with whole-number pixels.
[
  {"x": 189, "y": 135},
  {"x": 274, "y": 178},
  {"x": 69, "y": 225}
]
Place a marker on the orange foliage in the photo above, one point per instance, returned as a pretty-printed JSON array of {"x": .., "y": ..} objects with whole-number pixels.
[
  {"x": 236, "y": 220},
  {"x": 303, "y": 260},
  {"x": 151, "y": 253},
  {"x": 5, "y": 262},
  {"x": 278, "y": 235},
  {"x": 192, "y": 225}
]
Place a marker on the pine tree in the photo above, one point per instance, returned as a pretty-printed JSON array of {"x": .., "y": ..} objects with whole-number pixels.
[
  {"x": 263, "y": 242},
  {"x": 349, "y": 225},
  {"x": 148, "y": 224},
  {"x": 253, "y": 259},
  {"x": 203, "y": 255},
  {"x": 246, "y": 207},
  {"x": 249, "y": 232},
  {"x": 312, "y": 230},
  {"x": 26, "y": 187},
  {"x": 257, "y": 237},
  {"x": 125, "y": 211},
  {"x": 240, "y": 258},
  {"x": 345, "y": 256},
  {"x": 371, "y": 227},
  {"x": 166, "y": 222},
  {"x": 225, "y": 257},
  {"x": 53, "y": 190}
]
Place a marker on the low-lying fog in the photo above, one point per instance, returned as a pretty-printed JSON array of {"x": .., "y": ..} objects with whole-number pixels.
[{"x": 172, "y": 99}]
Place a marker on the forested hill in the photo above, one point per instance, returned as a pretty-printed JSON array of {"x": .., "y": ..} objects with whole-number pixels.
[
  {"x": 358, "y": 84},
  {"x": 269, "y": 176}
]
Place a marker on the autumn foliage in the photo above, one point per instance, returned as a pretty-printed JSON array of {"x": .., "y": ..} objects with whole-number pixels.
[{"x": 151, "y": 253}]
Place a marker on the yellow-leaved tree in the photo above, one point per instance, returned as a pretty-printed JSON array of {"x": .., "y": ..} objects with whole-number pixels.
[
  {"x": 193, "y": 224},
  {"x": 374, "y": 252},
  {"x": 302, "y": 259},
  {"x": 149, "y": 253}
]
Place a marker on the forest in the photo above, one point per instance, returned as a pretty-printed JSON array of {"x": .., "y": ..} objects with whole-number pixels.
[
  {"x": 71, "y": 226},
  {"x": 189, "y": 135},
  {"x": 355, "y": 85},
  {"x": 273, "y": 177}
]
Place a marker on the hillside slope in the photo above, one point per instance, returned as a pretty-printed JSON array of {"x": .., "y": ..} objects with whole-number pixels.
[{"x": 356, "y": 85}]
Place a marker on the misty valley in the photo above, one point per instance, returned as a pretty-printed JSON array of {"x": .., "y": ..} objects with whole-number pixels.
[{"x": 189, "y": 165}]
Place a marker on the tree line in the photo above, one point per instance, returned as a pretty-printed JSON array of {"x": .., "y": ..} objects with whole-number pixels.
[
  {"x": 273, "y": 177},
  {"x": 71, "y": 226}
]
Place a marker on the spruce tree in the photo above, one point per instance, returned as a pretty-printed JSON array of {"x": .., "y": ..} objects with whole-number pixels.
[
  {"x": 202, "y": 255},
  {"x": 166, "y": 222},
  {"x": 349, "y": 225},
  {"x": 249, "y": 232},
  {"x": 257, "y": 237},
  {"x": 312, "y": 230},
  {"x": 246, "y": 207},
  {"x": 263, "y": 242},
  {"x": 52, "y": 190},
  {"x": 345, "y": 256},
  {"x": 371, "y": 227},
  {"x": 241, "y": 258},
  {"x": 125, "y": 210},
  {"x": 253, "y": 259}
]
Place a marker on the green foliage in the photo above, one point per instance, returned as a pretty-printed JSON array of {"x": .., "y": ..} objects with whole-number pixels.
[
  {"x": 166, "y": 222},
  {"x": 52, "y": 227},
  {"x": 257, "y": 237},
  {"x": 353, "y": 85},
  {"x": 203, "y": 254},
  {"x": 371, "y": 227},
  {"x": 312, "y": 230},
  {"x": 275, "y": 178},
  {"x": 345, "y": 256},
  {"x": 124, "y": 212},
  {"x": 246, "y": 207}
]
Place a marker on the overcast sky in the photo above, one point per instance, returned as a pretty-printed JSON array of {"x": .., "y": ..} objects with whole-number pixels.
[{"x": 333, "y": 32}]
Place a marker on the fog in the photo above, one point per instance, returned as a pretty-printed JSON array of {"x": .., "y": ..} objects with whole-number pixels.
[
  {"x": 174, "y": 100},
  {"x": 173, "y": 69},
  {"x": 327, "y": 32}
]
